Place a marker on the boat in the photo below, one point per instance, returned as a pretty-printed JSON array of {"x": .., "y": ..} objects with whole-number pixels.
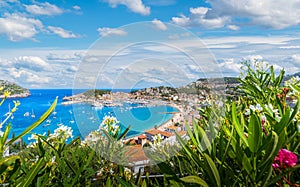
[
  {"x": 60, "y": 123},
  {"x": 54, "y": 112},
  {"x": 32, "y": 114},
  {"x": 26, "y": 114},
  {"x": 46, "y": 125}
]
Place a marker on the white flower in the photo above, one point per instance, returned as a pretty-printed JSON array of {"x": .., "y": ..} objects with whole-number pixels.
[
  {"x": 53, "y": 159},
  {"x": 109, "y": 120},
  {"x": 110, "y": 124},
  {"x": 33, "y": 137},
  {"x": 1, "y": 133},
  {"x": 127, "y": 170},
  {"x": 247, "y": 113},
  {"x": 256, "y": 108},
  {"x": 63, "y": 131},
  {"x": 275, "y": 111},
  {"x": 292, "y": 81}
]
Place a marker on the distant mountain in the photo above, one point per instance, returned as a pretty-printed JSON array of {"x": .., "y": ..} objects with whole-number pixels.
[{"x": 14, "y": 89}]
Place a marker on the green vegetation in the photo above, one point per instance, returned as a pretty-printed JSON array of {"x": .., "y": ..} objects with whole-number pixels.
[
  {"x": 96, "y": 93},
  {"x": 250, "y": 140},
  {"x": 12, "y": 88}
]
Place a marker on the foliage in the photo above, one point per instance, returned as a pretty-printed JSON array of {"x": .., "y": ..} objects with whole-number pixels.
[
  {"x": 10, "y": 166},
  {"x": 236, "y": 144},
  {"x": 95, "y": 93},
  {"x": 12, "y": 88},
  {"x": 249, "y": 140}
]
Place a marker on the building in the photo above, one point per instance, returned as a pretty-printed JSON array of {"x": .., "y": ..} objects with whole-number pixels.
[
  {"x": 137, "y": 158},
  {"x": 153, "y": 132}
]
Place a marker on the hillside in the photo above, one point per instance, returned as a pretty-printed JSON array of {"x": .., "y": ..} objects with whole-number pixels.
[{"x": 14, "y": 89}]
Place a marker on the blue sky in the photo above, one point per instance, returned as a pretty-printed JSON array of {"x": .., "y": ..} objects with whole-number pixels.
[{"x": 47, "y": 44}]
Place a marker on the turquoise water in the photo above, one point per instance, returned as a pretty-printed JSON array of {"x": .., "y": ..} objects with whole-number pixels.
[{"x": 81, "y": 117}]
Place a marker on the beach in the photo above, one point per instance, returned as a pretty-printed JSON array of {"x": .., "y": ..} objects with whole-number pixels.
[{"x": 177, "y": 118}]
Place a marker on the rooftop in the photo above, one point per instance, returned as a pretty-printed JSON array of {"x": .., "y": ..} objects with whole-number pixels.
[
  {"x": 136, "y": 153},
  {"x": 155, "y": 132},
  {"x": 142, "y": 136}
]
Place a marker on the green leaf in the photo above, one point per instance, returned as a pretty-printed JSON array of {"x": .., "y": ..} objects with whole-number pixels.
[
  {"x": 32, "y": 173},
  {"x": 254, "y": 133},
  {"x": 247, "y": 165},
  {"x": 212, "y": 171},
  {"x": 270, "y": 150},
  {"x": 35, "y": 124},
  {"x": 206, "y": 145},
  {"x": 194, "y": 180},
  {"x": 124, "y": 133},
  {"x": 295, "y": 88},
  {"x": 122, "y": 182},
  {"x": 187, "y": 149},
  {"x": 283, "y": 122},
  {"x": 238, "y": 127},
  {"x": 6, "y": 162}
]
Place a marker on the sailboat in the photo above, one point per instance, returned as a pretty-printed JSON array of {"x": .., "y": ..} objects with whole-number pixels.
[
  {"x": 60, "y": 124},
  {"x": 48, "y": 123},
  {"x": 32, "y": 114},
  {"x": 54, "y": 114}
]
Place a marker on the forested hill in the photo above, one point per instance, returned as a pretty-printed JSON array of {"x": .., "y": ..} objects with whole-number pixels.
[{"x": 14, "y": 89}]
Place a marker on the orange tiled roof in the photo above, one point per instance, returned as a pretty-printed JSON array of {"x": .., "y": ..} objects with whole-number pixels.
[
  {"x": 135, "y": 153},
  {"x": 142, "y": 136},
  {"x": 181, "y": 133},
  {"x": 155, "y": 132},
  {"x": 173, "y": 127}
]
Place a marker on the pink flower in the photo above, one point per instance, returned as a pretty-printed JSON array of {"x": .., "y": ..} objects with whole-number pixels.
[{"x": 285, "y": 159}]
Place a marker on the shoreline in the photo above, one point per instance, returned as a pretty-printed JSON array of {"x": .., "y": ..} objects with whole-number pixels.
[
  {"x": 177, "y": 117},
  {"x": 22, "y": 95}
]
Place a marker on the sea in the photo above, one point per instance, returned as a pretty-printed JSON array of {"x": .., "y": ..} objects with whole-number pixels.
[{"x": 83, "y": 118}]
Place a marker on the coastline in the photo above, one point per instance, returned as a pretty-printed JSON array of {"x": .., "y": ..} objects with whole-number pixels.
[
  {"x": 22, "y": 95},
  {"x": 177, "y": 117}
]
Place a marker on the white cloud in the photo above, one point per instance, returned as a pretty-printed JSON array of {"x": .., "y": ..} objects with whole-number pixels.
[
  {"x": 5, "y": 3},
  {"x": 182, "y": 20},
  {"x": 76, "y": 7},
  {"x": 5, "y": 63},
  {"x": 268, "y": 13},
  {"x": 290, "y": 47},
  {"x": 62, "y": 32},
  {"x": 233, "y": 27},
  {"x": 72, "y": 68},
  {"x": 65, "y": 56},
  {"x": 27, "y": 77},
  {"x": 253, "y": 57},
  {"x": 230, "y": 66},
  {"x": 199, "y": 17},
  {"x": 105, "y": 31},
  {"x": 135, "y": 6},
  {"x": 295, "y": 58},
  {"x": 159, "y": 24},
  {"x": 43, "y": 9},
  {"x": 18, "y": 27},
  {"x": 34, "y": 63}
]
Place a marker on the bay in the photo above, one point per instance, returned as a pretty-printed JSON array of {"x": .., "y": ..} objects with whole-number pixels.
[{"x": 83, "y": 118}]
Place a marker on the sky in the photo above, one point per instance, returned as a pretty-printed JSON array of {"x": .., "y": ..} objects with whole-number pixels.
[{"x": 139, "y": 43}]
